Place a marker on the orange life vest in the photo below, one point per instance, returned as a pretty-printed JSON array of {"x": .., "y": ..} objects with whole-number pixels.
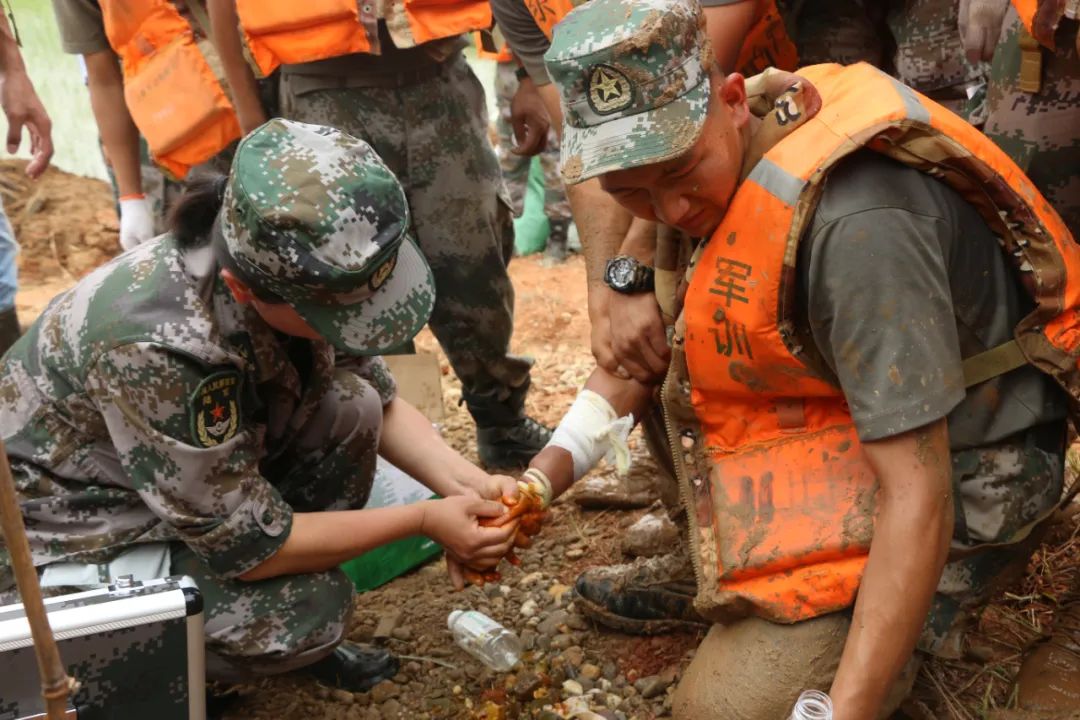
[
  {"x": 766, "y": 45},
  {"x": 279, "y": 32},
  {"x": 780, "y": 496},
  {"x": 1040, "y": 18},
  {"x": 174, "y": 96},
  {"x": 502, "y": 55}
]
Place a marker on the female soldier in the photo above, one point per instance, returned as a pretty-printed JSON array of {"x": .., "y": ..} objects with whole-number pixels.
[{"x": 181, "y": 411}]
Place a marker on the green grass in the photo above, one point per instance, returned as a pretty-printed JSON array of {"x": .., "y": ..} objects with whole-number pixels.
[{"x": 59, "y": 82}]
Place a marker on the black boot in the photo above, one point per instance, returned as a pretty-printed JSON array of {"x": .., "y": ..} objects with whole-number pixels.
[
  {"x": 505, "y": 436},
  {"x": 9, "y": 329},
  {"x": 356, "y": 667},
  {"x": 556, "y": 251},
  {"x": 648, "y": 596}
]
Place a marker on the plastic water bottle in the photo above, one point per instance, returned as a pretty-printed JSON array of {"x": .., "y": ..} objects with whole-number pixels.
[
  {"x": 484, "y": 639},
  {"x": 812, "y": 705}
]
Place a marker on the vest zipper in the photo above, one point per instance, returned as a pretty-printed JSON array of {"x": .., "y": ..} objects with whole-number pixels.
[{"x": 686, "y": 493}]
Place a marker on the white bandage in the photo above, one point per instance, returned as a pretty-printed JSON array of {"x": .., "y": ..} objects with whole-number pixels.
[
  {"x": 591, "y": 430},
  {"x": 536, "y": 482}
]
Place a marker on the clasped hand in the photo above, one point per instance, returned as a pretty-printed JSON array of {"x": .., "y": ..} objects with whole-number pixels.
[{"x": 495, "y": 515}]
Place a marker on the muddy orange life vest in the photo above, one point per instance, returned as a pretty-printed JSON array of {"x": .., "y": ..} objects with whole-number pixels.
[
  {"x": 780, "y": 496},
  {"x": 174, "y": 96},
  {"x": 766, "y": 45},
  {"x": 284, "y": 32}
]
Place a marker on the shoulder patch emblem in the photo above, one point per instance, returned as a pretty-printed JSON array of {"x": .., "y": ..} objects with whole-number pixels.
[
  {"x": 215, "y": 409},
  {"x": 609, "y": 90}
]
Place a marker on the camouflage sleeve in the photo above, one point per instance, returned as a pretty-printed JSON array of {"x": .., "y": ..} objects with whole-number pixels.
[
  {"x": 374, "y": 370},
  {"x": 179, "y": 432}
]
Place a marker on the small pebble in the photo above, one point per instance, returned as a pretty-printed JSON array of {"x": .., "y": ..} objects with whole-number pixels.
[
  {"x": 573, "y": 687},
  {"x": 529, "y": 608}
]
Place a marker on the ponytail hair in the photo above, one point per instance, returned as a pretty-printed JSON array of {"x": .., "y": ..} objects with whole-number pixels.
[{"x": 192, "y": 218}]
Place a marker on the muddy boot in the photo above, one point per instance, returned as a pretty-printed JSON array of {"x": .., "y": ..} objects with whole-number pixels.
[
  {"x": 555, "y": 253},
  {"x": 636, "y": 489},
  {"x": 505, "y": 437},
  {"x": 1049, "y": 677},
  {"x": 648, "y": 596},
  {"x": 356, "y": 667},
  {"x": 9, "y": 329},
  {"x": 653, "y": 534}
]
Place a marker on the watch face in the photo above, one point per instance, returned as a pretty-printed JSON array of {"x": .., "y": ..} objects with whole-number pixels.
[{"x": 622, "y": 272}]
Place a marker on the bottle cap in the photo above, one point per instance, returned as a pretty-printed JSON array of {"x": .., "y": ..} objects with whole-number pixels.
[{"x": 454, "y": 615}]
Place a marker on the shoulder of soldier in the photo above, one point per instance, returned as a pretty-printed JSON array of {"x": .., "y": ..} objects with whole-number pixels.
[
  {"x": 868, "y": 180},
  {"x": 143, "y": 296},
  {"x": 182, "y": 396}
]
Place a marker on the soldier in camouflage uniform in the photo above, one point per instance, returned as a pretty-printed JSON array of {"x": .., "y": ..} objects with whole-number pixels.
[
  {"x": 515, "y": 168},
  {"x": 891, "y": 259},
  {"x": 916, "y": 40},
  {"x": 181, "y": 410},
  {"x": 423, "y": 110}
]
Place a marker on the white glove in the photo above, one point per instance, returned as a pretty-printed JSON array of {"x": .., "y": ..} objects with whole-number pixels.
[
  {"x": 136, "y": 222},
  {"x": 980, "y": 27}
]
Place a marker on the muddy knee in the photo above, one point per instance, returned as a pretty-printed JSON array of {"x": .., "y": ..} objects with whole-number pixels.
[{"x": 753, "y": 669}]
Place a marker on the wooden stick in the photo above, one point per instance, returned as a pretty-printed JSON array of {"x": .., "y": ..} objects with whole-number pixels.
[{"x": 55, "y": 683}]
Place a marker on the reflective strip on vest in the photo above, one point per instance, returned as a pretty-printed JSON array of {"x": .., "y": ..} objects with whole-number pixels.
[{"x": 778, "y": 182}]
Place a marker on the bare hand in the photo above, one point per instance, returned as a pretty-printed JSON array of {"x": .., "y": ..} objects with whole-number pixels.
[
  {"x": 489, "y": 487},
  {"x": 23, "y": 108},
  {"x": 530, "y": 120},
  {"x": 454, "y": 523},
  {"x": 638, "y": 339}
]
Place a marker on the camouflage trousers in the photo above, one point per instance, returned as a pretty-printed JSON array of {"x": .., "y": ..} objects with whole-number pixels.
[
  {"x": 433, "y": 135},
  {"x": 286, "y": 622},
  {"x": 916, "y": 40},
  {"x": 515, "y": 168},
  {"x": 1040, "y": 131}
]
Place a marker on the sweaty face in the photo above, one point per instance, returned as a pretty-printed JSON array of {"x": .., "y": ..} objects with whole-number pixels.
[{"x": 692, "y": 191}]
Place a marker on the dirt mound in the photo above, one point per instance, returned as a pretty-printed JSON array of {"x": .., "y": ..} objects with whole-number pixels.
[{"x": 66, "y": 225}]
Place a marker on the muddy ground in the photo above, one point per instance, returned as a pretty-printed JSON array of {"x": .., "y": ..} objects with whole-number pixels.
[{"x": 67, "y": 226}]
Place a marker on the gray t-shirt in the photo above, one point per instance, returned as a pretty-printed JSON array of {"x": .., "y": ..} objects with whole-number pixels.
[
  {"x": 82, "y": 29},
  {"x": 527, "y": 40},
  {"x": 901, "y": 279}
]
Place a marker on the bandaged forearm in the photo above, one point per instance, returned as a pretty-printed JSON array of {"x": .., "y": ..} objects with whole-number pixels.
[{"x": 591, "y": 430}]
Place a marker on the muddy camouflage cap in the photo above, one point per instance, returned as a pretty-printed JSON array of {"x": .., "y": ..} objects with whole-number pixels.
[
  {"x": 313, "y": 216},
  {"x": 634, "y": 78}
]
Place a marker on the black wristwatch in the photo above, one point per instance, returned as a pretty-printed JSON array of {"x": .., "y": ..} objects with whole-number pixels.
[
  {"x": 625, "y": 274},
  {"x": 521, "y": 73}
]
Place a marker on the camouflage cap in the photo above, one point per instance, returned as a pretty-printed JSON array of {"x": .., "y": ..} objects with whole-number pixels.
[
  {"x": 313, "y": 216},
  {"x": 634, "y": 78}
]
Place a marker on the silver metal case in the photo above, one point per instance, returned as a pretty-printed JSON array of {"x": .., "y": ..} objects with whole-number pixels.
[{"x": 136, "y": 648}]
